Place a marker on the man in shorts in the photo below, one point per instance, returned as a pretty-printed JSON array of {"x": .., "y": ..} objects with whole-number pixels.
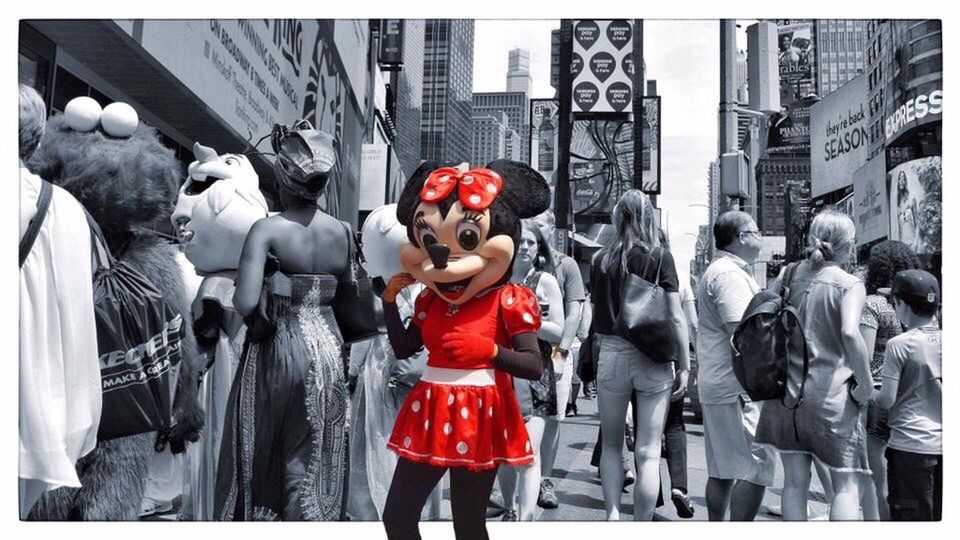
[{"x": 738, "y": 471}]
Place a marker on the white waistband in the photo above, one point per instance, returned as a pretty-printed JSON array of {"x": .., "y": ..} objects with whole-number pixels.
[{"x": 467, "y": 377}]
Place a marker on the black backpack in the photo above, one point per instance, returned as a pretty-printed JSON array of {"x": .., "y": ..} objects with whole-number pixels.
[{"x": 770, "y": 355}]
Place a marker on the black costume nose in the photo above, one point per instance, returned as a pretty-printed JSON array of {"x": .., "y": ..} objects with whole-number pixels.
[{"x": 439, "y": 253}]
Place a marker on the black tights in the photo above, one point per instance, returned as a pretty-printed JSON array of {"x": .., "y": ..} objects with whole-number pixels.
[{"x": 411, "y": 486}]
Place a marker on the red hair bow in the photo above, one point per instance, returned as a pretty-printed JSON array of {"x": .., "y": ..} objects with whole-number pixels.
[{"x": 477, "y": 187}]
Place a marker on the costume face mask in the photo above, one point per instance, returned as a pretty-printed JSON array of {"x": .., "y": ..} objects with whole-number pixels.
[
  {"x": 216, "y": 207},
  {"x": 454, "y": 255}
]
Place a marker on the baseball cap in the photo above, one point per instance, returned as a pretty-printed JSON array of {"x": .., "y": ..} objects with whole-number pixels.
[{"x": 917, "y": 285}]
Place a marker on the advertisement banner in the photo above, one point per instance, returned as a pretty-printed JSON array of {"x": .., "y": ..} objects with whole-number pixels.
[
  {"x": 391, "y": 44},
  {"x": 544, "y": 133},
  {"x": 839, "y": 141},
  {"x": 254, "y": 73},
  {"x": 650, "y": 153},
  {"x": 796, "y": 50},
  {"x": 789, "y": 129},
  {"x": 601, "y": 164},
  {"x": 913, "y": 110},
  {"x": 373, "y": 176},
  {"x": 916, "y": 196},
  {"x": 870, "y": 208},
  {"x": 602, "y": 65}
]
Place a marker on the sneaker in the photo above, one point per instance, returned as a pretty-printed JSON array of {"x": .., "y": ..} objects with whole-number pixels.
[
  {"x": 547, "y": 498},
  {"x": 682, "y": 502},
  {"x": 571, "y": 409},
  {"x": 510, "y": 515},
  {"x": 150, "y": 507}
]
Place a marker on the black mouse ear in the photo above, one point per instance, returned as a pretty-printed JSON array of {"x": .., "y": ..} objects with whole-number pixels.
[
  {"x": 410, "y": 197},
  {"x": 524, "y": 189}
]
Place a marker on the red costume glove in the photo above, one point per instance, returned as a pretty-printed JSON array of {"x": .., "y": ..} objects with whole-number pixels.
[{"x": 471, "y": 349}]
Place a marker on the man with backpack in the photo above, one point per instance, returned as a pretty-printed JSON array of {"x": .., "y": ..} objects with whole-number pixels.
[
  {"x": 738, "y": 471},
  {"x": 60, "y": 396}
]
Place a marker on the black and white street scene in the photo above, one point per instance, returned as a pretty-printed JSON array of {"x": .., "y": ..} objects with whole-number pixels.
[{"x": 478, "y": 271}]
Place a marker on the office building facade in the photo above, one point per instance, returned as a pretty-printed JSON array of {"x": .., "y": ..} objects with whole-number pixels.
[
  {"x": 516, "y": 105},
  {"x": 840, "y": 51},
  {"x": 445, "y": 125},
  {"x": 489, "y": 137}
]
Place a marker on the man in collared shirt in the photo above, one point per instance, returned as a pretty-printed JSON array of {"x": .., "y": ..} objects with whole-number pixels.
[{"x": 738, "y": 471}]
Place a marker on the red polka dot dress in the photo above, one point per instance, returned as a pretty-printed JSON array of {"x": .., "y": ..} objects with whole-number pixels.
[{"x": 461, "y": 415}]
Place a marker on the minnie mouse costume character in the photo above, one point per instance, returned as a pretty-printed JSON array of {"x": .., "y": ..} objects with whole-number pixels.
[{"x": 478, "y": 329}]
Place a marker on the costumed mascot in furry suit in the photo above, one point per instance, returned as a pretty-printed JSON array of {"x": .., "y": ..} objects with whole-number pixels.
[
  {"x": 127, "y": 180},
  {"x": 217, "y": 205},
  {"x": 478, "y": 329}
]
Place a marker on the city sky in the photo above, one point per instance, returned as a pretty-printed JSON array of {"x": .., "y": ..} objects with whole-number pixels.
[{"x": 683, "y": 56}]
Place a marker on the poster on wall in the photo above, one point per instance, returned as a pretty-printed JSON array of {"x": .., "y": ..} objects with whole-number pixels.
[
  {"x": 870, "y": 208},
  {"x": 650, "y": 152},
  {"x": 544, "y": 133},
  {"x": 602, "y": 66},
  {"x": 916, "y": 196},
  {"x": 254, "y": 73},
  {"x": 601, "y": 164},
  {"x": 839, "y": 139}
]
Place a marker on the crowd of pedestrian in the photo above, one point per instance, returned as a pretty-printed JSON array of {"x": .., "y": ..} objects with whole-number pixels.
[{"x": 309, "y": 420}]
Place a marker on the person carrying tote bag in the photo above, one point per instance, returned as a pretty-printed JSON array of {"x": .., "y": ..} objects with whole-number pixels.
[{"x": 629, "y": 277}]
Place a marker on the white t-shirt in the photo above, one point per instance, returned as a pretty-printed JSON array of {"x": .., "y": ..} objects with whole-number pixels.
[
  {"x": 60, "y": 392},
  {"x": 725, "y": 291}
]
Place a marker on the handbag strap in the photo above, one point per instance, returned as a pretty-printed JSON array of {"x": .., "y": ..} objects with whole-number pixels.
[
  {"x": 350, "y": 272},
  {"x": 33, "y": 229}
]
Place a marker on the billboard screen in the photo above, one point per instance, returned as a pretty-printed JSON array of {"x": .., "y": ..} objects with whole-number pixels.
[
  {"x": 789, "y": 129},
  {"x": 839, "y": 140},
  {"x": 916, "y": 213},
  {"x": 601, "y": 164},
  {"x": 602, "y": 66},
  {"x": 650, "y": 153},
  {"x": 870, "y": 208}
]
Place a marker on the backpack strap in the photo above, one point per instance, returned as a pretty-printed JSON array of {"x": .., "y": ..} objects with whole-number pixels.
[
  {"x": 787, "y": 281},
  {"x": 33, "y": 229},
  {"x": 349, "y": 274}
]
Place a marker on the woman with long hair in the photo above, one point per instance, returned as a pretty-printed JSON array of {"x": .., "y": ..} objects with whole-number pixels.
[
  {"x": 827, "y": 426},
  {"x": 283, "y": 454},
  {"x": 878, "y": 324},
  {"x": 538, "y": 399},
  {"x": 625, "y": 371}
]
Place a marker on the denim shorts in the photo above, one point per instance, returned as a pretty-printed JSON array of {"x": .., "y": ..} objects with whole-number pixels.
[{"x": 622, "y": 369}]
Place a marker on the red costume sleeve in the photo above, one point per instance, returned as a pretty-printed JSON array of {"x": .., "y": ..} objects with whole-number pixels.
[{"x": 519, "y": 310}]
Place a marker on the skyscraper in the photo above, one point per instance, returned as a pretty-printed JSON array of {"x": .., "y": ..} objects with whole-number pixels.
[
  {"x": 517, "y": 108},
  {"x": 840, "y": 46},
  {"x": 489, "y": 137},
  {"x": 518, "y": 72},
  {"x": 407, "y": 88},
  {"x": 445, "y": 126}
]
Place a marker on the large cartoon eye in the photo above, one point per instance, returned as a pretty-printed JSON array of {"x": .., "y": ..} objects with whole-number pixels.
[
  {"x": 468, "y": 235},
  {"x": 427, "y": 237},
  {"x": 232, "y": 161}
]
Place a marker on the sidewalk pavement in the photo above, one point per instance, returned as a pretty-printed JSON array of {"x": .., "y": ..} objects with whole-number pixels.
[{"x": 578, "y": 485}]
